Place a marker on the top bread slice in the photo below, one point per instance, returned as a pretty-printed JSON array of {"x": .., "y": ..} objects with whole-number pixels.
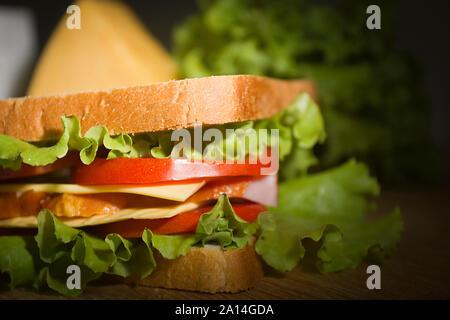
[{"x": 153, "y": 107}]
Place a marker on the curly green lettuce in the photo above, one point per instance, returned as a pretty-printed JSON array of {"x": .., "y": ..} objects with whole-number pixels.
[
  {"x": 331, "y": 209},
  {"x": 14, "y": 152}
]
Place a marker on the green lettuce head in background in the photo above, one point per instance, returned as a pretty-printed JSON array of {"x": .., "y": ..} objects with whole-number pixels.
[{"x": 373, "y": 103}]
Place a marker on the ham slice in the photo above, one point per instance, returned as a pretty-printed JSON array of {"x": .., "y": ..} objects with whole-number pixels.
[{"x": 263, "y": 190}]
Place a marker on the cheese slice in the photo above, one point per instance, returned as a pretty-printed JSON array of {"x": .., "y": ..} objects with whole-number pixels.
[
  {"x": 126, "y": 214},
  {"x": 176, "y": 192}
]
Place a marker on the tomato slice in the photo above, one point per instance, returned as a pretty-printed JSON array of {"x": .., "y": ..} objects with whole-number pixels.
[
  {"x": 69, "y": 160},
  {"x": 182, "y": 223},
  {"x": 150, "y": 170}
]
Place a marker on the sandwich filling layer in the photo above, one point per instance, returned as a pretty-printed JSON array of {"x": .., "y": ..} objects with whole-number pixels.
[
  {"x": 127, "y": 197},
  {"x": 20, "y": 208},
  {"x": 142, "y": 175}
]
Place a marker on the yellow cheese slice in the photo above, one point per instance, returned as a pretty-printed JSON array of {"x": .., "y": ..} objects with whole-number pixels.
[
  {"x": 126, "y": 214},
  {"x": 111, "y": 49},
  {"x": 175, "y": 192}
]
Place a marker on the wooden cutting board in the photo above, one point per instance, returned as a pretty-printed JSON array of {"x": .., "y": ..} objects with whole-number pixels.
[{"x": 418, "y": 270}]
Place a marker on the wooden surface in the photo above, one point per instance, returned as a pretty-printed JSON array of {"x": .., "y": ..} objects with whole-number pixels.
[{"x": 418, "y": 270}]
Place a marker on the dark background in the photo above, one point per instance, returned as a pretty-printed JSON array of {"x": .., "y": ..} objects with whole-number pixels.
[{"x": 423, "y": 29}]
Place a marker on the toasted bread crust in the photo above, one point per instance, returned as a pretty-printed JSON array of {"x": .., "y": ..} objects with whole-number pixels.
[
  {"x": 153, "y": 107},
  {"x": 207, "y": 270}
]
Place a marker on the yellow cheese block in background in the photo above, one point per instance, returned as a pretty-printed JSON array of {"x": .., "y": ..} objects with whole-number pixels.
[{"x": 112, "y": 49}]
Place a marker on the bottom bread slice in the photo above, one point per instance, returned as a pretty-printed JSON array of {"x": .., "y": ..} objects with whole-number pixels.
[{"x": 208, "y": 269}]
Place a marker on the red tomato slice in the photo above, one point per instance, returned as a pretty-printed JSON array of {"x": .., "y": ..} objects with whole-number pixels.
[
  {"x": 69, "y": 160},
  {"x": 150, "y": 171},
  {"x": 182, "y": 223}
]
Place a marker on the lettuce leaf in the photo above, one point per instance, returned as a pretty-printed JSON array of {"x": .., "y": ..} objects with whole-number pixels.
[
  {"x": 55, "y": 276},
  {"x": 13, "y": 151},
  {"x": 301, "y": 127},
  {"x": 133, "y": 256},
  {"x": 44, "y": 261},
  {"x": 18, "y": 258},
  {"x": 53, "y": 237},
  {"x": 223, "y": 226},
  {"x": 171, "y": 246},
  {"x": 330, "y": 208}
]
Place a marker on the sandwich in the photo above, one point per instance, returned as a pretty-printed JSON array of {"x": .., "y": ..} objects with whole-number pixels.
[
  {"x": 95, "y": 181},
  {"x": 116, "y": 185}
]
